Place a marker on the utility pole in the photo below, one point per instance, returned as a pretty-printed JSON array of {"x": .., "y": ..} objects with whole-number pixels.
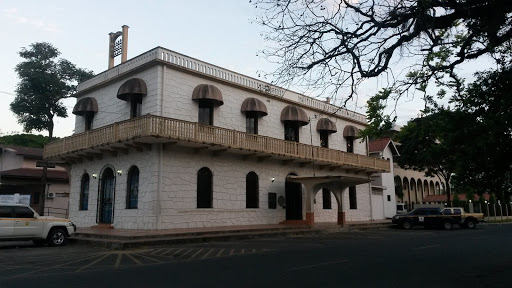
[{"x": 42, "y": 196}]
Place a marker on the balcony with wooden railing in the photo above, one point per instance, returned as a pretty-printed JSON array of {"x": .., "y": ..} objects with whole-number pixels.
[{"x": 153, "y": 129}]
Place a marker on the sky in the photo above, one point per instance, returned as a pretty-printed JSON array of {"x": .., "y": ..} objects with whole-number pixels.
[{"x": 217, "y": 32}]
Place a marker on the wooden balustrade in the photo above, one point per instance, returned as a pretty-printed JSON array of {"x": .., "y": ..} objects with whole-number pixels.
[{"x": 155, "y": 126}]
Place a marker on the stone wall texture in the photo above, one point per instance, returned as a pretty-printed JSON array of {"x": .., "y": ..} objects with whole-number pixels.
[{"x": 168, "y": 174}]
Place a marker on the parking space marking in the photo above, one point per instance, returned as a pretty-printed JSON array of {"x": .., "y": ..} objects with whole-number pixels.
[
  {"x": 57, "y": 266},
  {"x": 133, "y": 258},
  {"x": 118, "y": 260},
  {"x": 93, "y": 262},
  {"x": 98, "y": 259}
]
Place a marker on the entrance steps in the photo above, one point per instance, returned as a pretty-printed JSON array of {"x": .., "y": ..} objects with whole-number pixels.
[{"x": 125, "y": 238}]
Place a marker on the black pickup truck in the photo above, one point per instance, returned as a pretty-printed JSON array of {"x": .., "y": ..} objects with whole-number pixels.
[{"x": 438, "y": 217}]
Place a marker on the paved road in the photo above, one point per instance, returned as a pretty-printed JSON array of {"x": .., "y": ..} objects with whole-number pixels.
[{"x": 382, "y": 258}]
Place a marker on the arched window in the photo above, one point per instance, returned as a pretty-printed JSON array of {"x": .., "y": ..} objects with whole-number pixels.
[
  {"x": 204, "y": 188},
  {"x": 132, "y": 188},
  {"x": 326, "y": 198},
  {"x": 350, "y": 133},
  {"x": 293, "y": 118},
  {"x": 208, "y": 97},
  {"x": 84, "y": 192},
  {"x": 352, "y": 197},
  {"x": 133, "y": 91},
  {"x": 325, "y": 126},
  {"x": 252, "y": 188},
  {"x": 253, "y": 109},
  {"x": 86, "y": 107},
  {"x": 291, "y": 131}
]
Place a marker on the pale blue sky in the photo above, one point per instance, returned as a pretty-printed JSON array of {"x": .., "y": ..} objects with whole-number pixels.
[{"x": 218, "y": 32}]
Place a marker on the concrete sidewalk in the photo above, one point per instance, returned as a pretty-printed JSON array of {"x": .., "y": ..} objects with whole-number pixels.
[{"x": 124, "y": 238}]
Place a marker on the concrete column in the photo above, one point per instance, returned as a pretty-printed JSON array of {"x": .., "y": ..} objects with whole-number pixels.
[
  {"x": 338, "y": 194},
  {"x": 310, "y": 203},
  {"x": 124, "y": 47}
]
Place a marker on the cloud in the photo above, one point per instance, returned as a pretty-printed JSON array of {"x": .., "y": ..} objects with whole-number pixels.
[{"x": 12, "y": 15}]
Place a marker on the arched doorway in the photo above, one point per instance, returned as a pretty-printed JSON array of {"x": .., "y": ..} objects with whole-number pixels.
[
  {"x": 293, "y": 194},
  {"x": 106, "y": 197}
]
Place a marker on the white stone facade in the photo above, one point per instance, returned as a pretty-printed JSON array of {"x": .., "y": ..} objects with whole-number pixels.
[{"x": 168, "y": 173}]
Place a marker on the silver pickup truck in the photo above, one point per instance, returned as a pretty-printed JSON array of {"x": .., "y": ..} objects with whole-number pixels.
[{"x": 20, "y": 222}]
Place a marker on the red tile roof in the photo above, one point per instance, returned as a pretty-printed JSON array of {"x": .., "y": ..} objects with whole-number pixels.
[
  {"x": 442, "y": 198},
  {"x": 379, "y": 144},
  {"x": 35, "y": 173},
  {"x": 26, "y": 151}
]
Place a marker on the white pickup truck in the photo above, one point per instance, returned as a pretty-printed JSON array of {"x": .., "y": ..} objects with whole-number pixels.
[{"x": 20, "y": 222}]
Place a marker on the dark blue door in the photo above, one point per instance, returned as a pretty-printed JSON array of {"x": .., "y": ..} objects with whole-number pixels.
[{"x": 107, "y": 196}]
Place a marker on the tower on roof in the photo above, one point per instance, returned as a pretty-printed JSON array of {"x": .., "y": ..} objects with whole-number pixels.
[{"x": 118, "y": 47}]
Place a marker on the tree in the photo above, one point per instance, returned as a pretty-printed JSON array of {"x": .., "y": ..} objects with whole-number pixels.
[
  {"x": 25, "y": 140},
  {"x": 44, "y": 82},
  {"x": 487, "y": 105},
  {"x": 456, "y": 200},
  {"x": 330, "y": 45},
  {"x": 431, "y": 144}
]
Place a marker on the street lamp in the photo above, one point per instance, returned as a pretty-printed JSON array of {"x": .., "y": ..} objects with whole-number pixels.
[{"x": 488, "y": 215}]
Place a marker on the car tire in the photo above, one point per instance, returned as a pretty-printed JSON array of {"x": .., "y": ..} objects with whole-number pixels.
[
  {"x": 407, "y": 225},
  {"x": 447, "y": 225},
  {"x": 470, "y": 224},
  {"x": 57, "y": 237}
]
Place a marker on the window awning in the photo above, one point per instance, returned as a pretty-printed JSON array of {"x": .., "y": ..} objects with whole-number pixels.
[
  {"x": 208, "y": 92},
  {"x": 294, "y": 113},
  {"x": 255, "y": 106},
  {"x": 85, "y": 105},
  {"x": 325, "y": 124},
  {"x": 350, "y": 131},
  {"x": 133, "y": 88}
]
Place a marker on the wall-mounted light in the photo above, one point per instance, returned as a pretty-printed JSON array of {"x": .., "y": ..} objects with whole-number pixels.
[
  {"x": 94, "y": 176},
  {"x": 273, "y": 179},
  {"x": 469, "y": 200},
  {"x": 119, "y": 172}
]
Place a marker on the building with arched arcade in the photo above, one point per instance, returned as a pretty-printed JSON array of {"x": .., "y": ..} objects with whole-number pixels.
[
  {"x": 414, "y": 185},
  {"x": 164, "y": 141}
]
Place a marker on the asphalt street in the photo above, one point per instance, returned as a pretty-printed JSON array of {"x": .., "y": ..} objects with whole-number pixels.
[{"x": 377, "y": 258}]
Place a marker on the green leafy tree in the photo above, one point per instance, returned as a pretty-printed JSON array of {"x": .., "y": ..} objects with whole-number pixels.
[
  {"x": 487, "y": 105},
  {"x": 25, "y": 140},
  {"x": 470, "y": 195},
  {"x": 456, "y": 200},
  {"x": 44, "y": 82},
  {"x": 429, "y": 144},
  {"x": 330, "y": 45},
  {"x": 492, "y": 199}
]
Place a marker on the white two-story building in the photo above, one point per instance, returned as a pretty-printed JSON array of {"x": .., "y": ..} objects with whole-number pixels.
[{"x": 164, "y": 141}]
